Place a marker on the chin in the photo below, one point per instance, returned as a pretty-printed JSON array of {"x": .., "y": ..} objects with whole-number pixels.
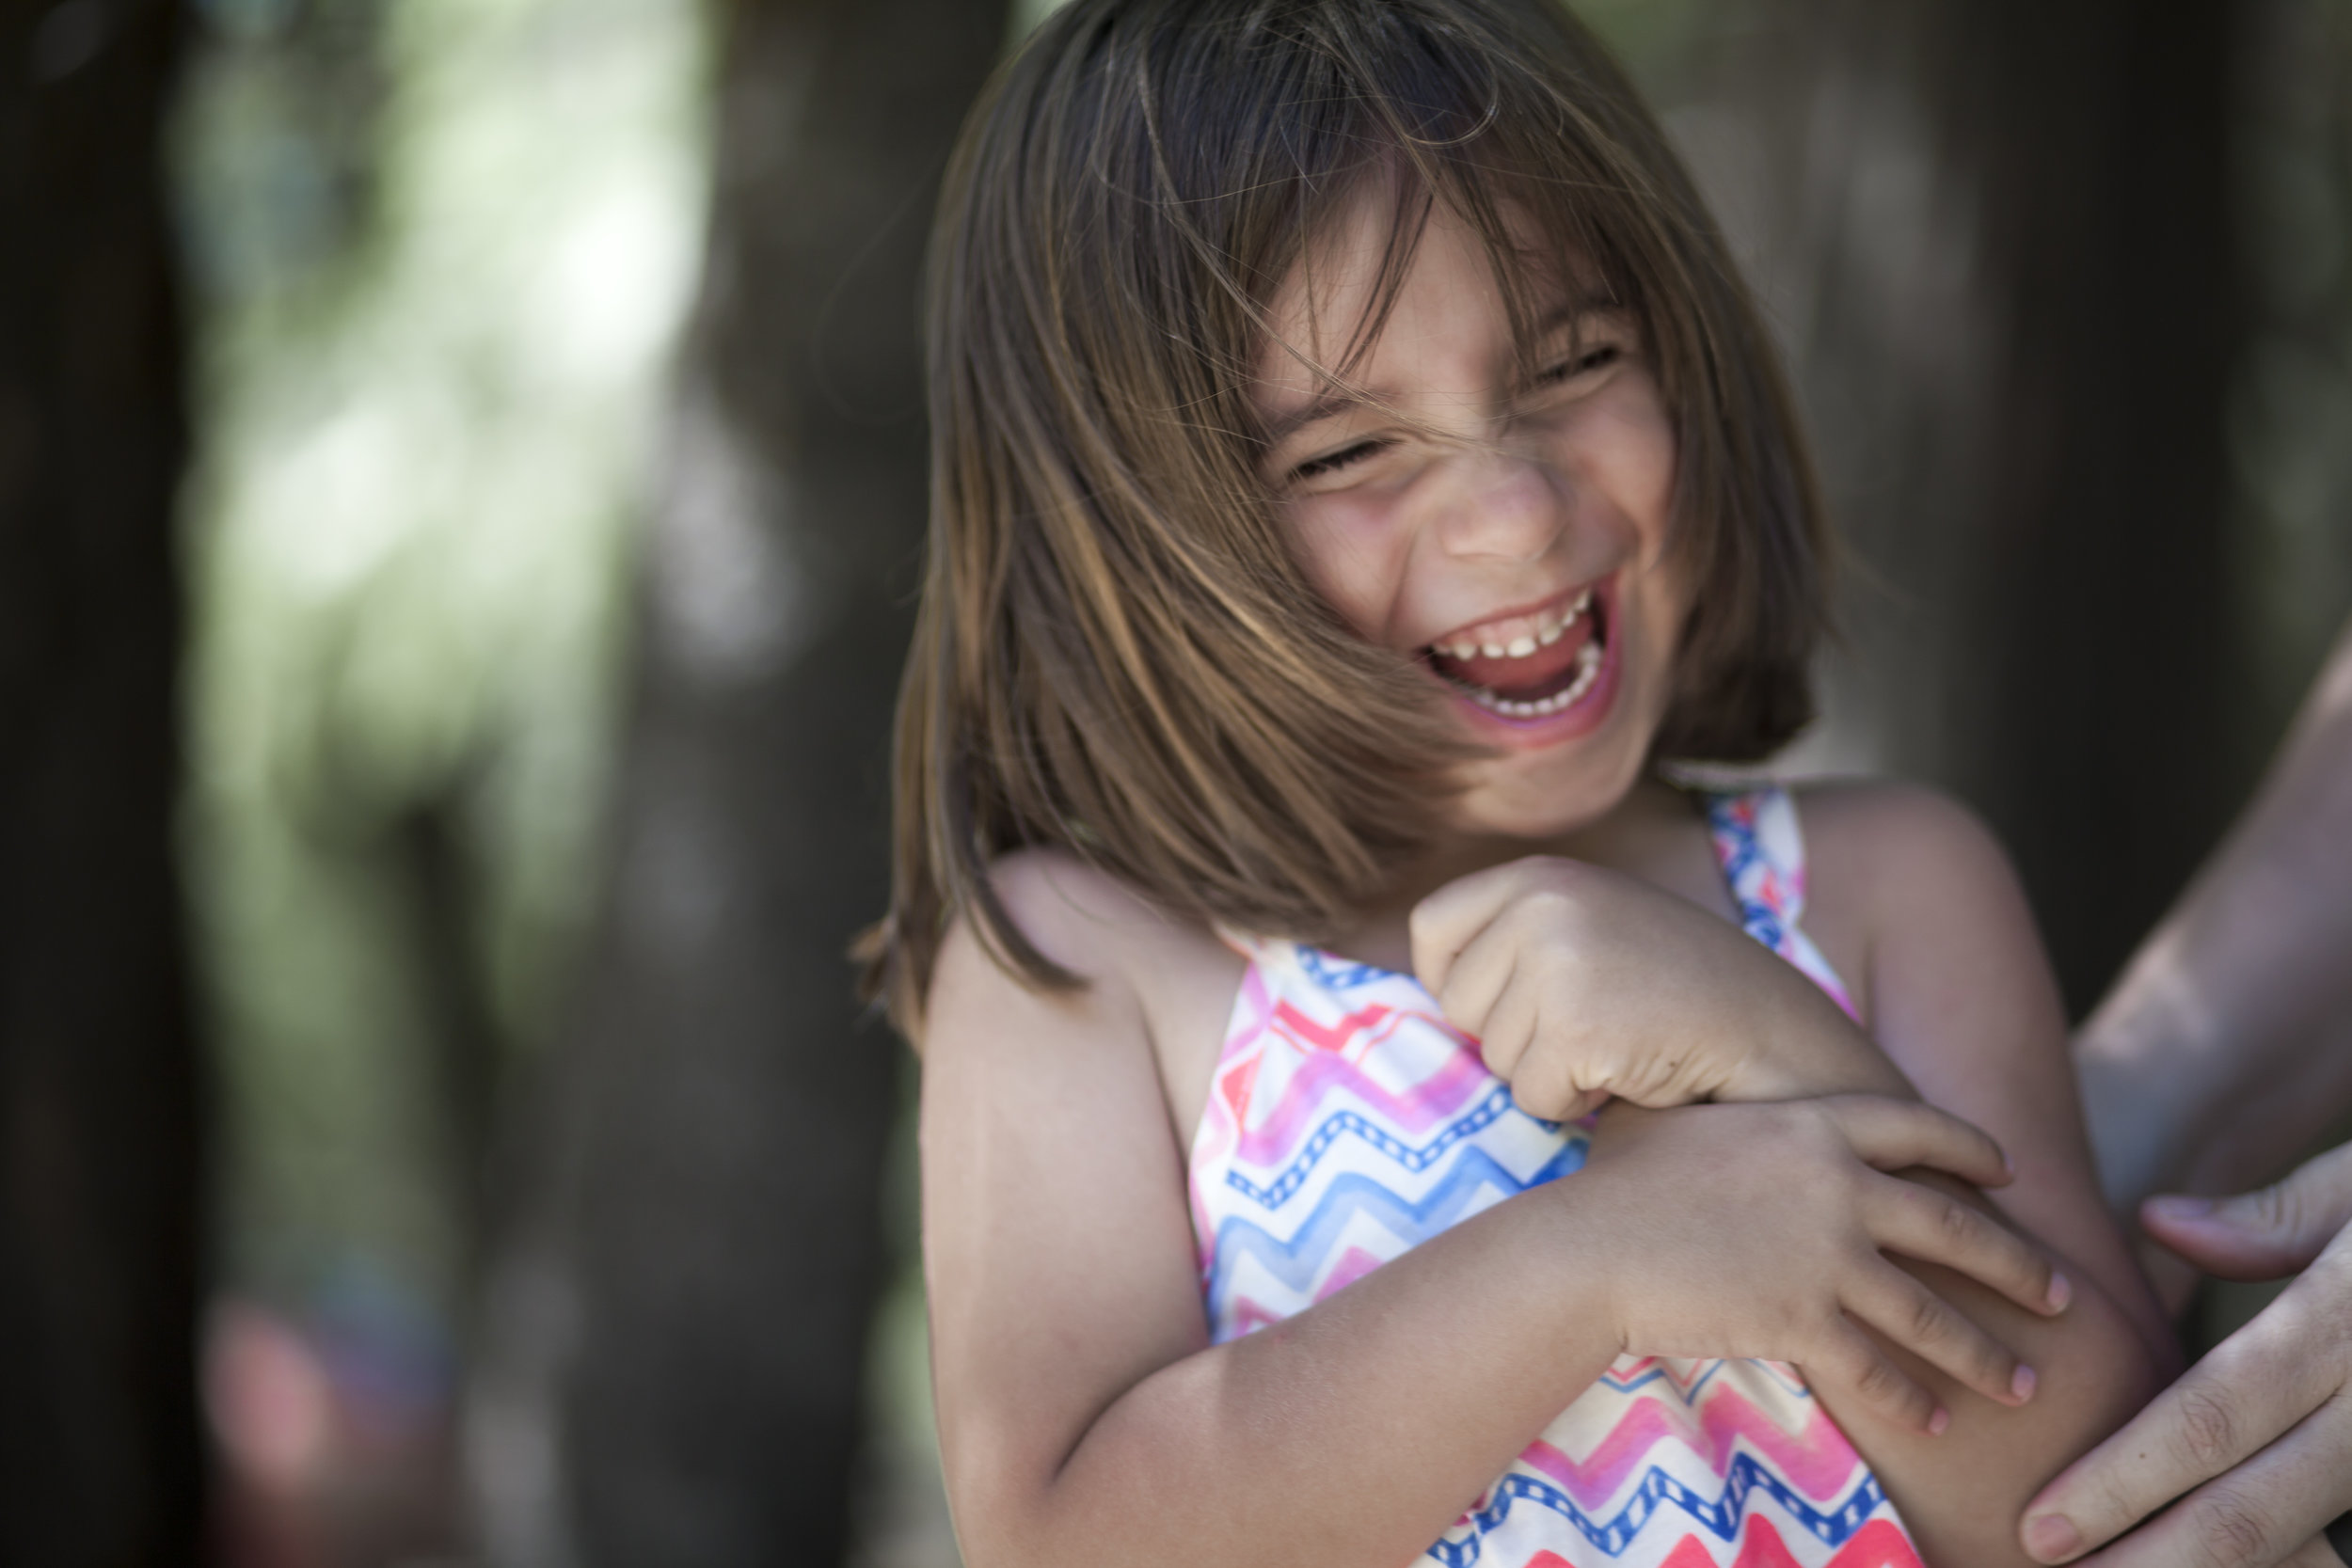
[{"x": 1538, "y": 797}]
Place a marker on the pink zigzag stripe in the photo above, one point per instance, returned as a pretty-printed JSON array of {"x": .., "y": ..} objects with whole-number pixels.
[
  {"x": 1817, "y": 1461},
  {"x": 1876, "y": 1544},
  {"x": 1879, "y": 1544},
  {"x": 1337, "y": 1037},
  {"x": 1248, "y": 1316},
  {"x": 1353, "y": 1265},
  {"x": 1425, "y": 1104}
]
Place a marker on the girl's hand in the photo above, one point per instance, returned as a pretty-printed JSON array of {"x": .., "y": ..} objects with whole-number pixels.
[
  {"x": 1765, "y": 1231},
  {"x": 1581, "y": 983}
]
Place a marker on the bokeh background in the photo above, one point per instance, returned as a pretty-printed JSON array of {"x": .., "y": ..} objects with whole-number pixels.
[{"x": 461, "y": 481}]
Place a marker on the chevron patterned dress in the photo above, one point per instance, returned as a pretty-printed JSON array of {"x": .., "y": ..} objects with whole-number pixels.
[{"x": 1347, "y": 1122}]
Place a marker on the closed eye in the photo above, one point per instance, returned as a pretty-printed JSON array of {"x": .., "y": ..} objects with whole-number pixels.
[
  {"x": 1598, "y": 357},
  {"x": 1315, "y": 468}
]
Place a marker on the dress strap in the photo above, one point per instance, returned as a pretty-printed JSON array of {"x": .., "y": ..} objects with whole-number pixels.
[
  {"x": 1248, "y": 944},
  {"x": 1761, "y": 849}
]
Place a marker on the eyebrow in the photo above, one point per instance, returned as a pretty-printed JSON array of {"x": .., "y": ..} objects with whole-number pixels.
[{"x": 1335, "y": 399}]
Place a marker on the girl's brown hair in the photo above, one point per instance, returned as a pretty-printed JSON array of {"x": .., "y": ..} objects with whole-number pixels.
[{"x": 1116, "y": 652}]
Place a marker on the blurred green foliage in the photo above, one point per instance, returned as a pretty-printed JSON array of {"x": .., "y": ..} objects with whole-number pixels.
[{"x": 441, "y": 249}]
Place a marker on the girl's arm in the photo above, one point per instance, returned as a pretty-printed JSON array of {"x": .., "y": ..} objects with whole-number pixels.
[
  {"x": 1584, "y": 984},
  {"x": 1963, "y": 1004},
  {"x": 1083, "y": 1417}
]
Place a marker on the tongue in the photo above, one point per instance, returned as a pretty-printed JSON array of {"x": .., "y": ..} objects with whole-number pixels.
[{"x": 1539, "y": 675}]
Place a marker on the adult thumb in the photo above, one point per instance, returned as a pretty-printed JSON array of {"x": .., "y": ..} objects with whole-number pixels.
[{"x": 2263, "y": 1234}]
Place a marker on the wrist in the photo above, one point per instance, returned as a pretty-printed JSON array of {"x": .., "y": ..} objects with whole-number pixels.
[
  {"x": 1580, "y": 1228},
  {"x": 1818, "y": 1052}
]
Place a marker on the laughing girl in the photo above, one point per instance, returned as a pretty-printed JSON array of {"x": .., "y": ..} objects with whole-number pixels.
[{"x": 1371, "y": 1113}]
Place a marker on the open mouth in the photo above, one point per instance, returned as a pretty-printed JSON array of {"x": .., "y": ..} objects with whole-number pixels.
[{"x": 1528, "y": 666}]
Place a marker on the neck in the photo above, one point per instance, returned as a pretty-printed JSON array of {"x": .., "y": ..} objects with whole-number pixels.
[{"x": 1607, "y": 839}]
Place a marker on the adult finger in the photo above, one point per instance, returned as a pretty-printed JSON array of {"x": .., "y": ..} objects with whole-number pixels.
[
  {"x": 2258, "y": 1515},
  {"x": 1907, "y": 1313},
  {"x": 1897, "y": 1135},
  {"x": 2263, "y": 1234},
  {"x": 1936, "y": 1228},
  {"x": 2250, "y": 1388},
  {"x": 1848, "y": 1358}
]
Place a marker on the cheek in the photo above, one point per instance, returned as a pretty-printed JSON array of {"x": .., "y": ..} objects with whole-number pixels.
[
  {"x": 1349, "y": 555},
  {"x": 1637, "y": 464}
]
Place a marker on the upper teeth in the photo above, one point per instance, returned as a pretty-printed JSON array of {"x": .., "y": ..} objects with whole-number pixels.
[{"x": 1507, "y": 640}]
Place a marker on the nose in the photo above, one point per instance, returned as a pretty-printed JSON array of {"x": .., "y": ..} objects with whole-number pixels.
[{"x": 1494, "y": 506}]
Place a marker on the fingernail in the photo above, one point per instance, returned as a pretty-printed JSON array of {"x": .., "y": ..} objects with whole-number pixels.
[
  {"x": 2176, "y": 1206},
  {"x": 2052, "y": 1538},
  {"x": 2020, "y": 1386},
  {"x": 2061, "y": 1292},
  {"x": 1938, "y": 1423}
]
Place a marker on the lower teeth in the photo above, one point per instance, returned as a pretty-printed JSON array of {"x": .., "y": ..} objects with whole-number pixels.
[{"x": 1587, "y": 670}]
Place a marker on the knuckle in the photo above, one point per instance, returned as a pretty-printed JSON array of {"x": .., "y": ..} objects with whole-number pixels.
[
  {"x": 1544, "y": 1093},
  {"x": 1930, "y": 1320},
  {"x": 2276, "y": 1208},
  {"x": 1548, "y": 908},
  {"x": 1957, "y": 1224},
  {"x": 2206, "y": 1432},
  {"x": 1876, "y": 1380},
  {"x": 2027, "y": 1266},
  {"x": 1806, "y": 1120},
  {"x": 2228, "y": 1529}
]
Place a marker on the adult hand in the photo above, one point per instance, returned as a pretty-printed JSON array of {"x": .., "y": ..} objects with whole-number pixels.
[
  {"x": 1582, "y": 983},
  {"x": 2259, "y": 1434},
  {"x": 1763, "y": 1230}
]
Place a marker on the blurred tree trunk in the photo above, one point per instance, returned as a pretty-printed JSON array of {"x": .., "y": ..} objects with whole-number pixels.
[
  {"x": 675, "y": 1332},
  {"x": 1999, "y": 237},
  {"x": 99, "y": 1457}
]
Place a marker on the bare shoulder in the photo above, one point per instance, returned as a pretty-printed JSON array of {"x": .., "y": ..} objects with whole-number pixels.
[
  {"x": 1892, "y": 862},
  {"x": 1862, "y": 833},
  {"x": 1079, "y": 915},
  {"x": 1148, "y": 980},
  {"x": 1912, "y": 889},
  {"x": 1083, "y": 919}
]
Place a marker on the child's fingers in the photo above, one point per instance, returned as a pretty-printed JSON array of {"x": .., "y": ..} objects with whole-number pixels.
[
  {"x": 1444, "y": 925},
  {"x": 1934, "y": 1228},
  {"x": 1477, "y": 978},
  {"x": 1849, "y": 1359},
  {"x": 1907, "y": 1313},
  {"x": 1898, "y": 1134}
]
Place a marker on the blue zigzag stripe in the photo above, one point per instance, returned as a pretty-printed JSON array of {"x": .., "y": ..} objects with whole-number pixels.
[
  {"x": 1690, "y": 1393},
  {"x": 1334, "y": 972},
  {"x": 1343, "y": 1123},
  {"x": 1722, "y": 1515},
  {"x": 1296, "y": 1263},
  {"x": 1658, "y": 1374}
]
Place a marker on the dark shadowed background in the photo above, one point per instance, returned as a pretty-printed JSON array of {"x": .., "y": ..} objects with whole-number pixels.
[{"x": 461, "y": 480}]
